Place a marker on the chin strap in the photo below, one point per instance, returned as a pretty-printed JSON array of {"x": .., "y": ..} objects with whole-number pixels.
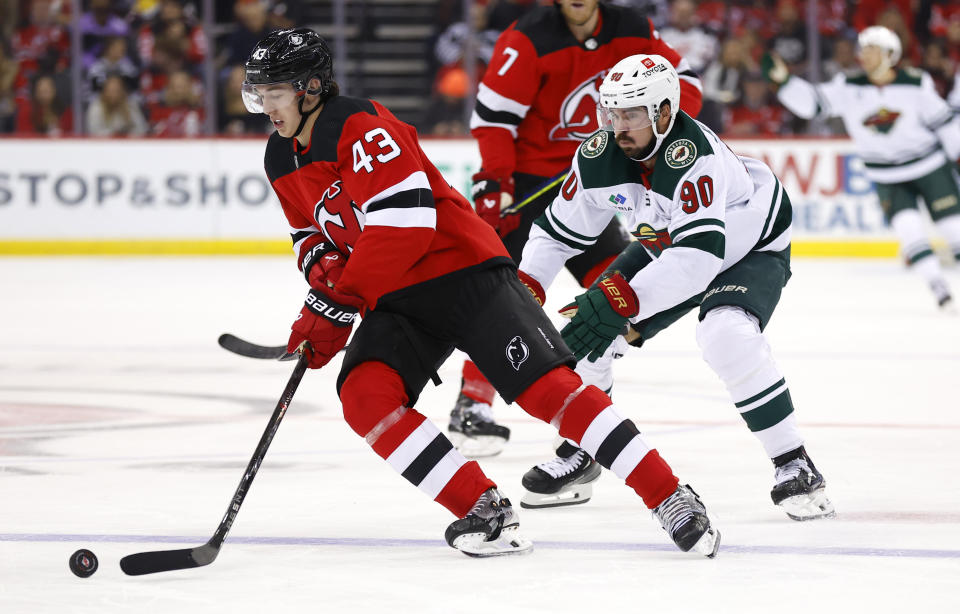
[{"x": 304, "y": 116}]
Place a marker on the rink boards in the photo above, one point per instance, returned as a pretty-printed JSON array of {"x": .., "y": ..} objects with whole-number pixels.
[{"x": 211, "y": 196}]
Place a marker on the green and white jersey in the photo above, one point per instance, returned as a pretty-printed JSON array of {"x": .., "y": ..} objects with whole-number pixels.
[
  {"x": 903, "y": 130},
  {"x": 698, "y": 212}
]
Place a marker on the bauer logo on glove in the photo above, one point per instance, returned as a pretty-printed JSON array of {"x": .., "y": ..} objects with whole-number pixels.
[{"x": 338, "y": 315}]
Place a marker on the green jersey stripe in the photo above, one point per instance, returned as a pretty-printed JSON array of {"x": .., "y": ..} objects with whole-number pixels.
[
  {"x": 545, "y": 222},
  {"x": 712, "y": 242},
  {"x": 770, "y": 413},
  {"x": 760, "y": 395},
  {"x": 773, "y": 208},
  {"x": 694, "y": 224}
]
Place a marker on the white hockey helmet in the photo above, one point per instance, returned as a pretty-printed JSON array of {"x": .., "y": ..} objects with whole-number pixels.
[
  {"x": 884, "y": 38},
  {"x": 639, "y": 83}
]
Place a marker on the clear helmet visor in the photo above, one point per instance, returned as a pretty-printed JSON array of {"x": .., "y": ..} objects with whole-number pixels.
[
  {"x": 266, "y": 97},
  {"x": 622, "y": 120}
]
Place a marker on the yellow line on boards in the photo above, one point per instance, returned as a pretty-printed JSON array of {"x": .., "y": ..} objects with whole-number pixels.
[{"x": 802, "y": 248}]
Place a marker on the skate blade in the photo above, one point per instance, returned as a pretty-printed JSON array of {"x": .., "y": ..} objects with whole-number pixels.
[
  {"x": 708, "y": 544},
  {"x": 579, "y": 493},
  {"x": 508, "y": 542},
  {"x": 481, "y": 446},
  {"x": 809, "y": 506}
]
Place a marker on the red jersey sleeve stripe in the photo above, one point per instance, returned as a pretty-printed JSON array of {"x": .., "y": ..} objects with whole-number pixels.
[
  {"x": 407, "y": 204},
  {"x": 495, "y": 110}
]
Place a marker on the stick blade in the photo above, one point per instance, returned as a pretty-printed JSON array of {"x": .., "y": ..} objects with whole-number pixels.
[
  {"x": 235, "y": 344},
  {"x": 143, "y": 563}
]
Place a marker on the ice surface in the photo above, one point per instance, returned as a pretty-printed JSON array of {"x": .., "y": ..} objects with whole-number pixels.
[{"x": 124, "y": 427}]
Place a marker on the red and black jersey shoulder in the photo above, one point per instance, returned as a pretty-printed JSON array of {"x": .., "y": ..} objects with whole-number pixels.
[
  {"x": 548, "y": 31},
  {"x": 282, "y": 157}
]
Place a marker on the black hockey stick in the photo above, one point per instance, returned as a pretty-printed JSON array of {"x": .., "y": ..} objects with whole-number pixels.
[
  {"x": 237, "y": 345},
  {"x": 168, "y": 560}
]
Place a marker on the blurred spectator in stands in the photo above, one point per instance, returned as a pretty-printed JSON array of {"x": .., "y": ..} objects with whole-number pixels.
[
  {"x": 685, "y": 34},
  {"x": 176, "y": 33},
  {"x": 656, "y": 10},
  {"x": 938, "y": 64},
  {"x": 446, "y": 113},
  {"x": 179, "y": 112},
  {"x": 868, "y": 13},
  {"x": 832, "y": 19},
  {"x": 452, "y": 43},
  {"x": 755, "y": 114},
  {"x": 252, "y": 25},
  {"x": 8, "y": 73},
  {"x": 113, "y": 61},
  {"x": 721, "y": 82},
  {"x": 8, "y": 18},
  {"x": 283, "y": 15},
  {"x": 45, "y": 114},
  {"x": 842, "y": 60},
  {"x": 97, "y": 26},
  {"x": 790, "y": 36},
  {"x": 42, "y": 45},
  {"x": 894, "y": 17},
  {"x": 234, "y": 119},
  {"x": 113, "y": 113},
  {"x": 750, "y": 15}
]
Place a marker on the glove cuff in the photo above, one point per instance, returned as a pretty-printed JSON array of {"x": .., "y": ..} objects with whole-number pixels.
[
  {"x": 313, "y": 256},
  {"x": 620, "y": 295},
  {"x": 534, "y": 286},
  {"x": 336, "y": 313}
]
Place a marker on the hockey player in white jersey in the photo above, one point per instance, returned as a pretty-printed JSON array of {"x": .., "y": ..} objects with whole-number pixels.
[
  {"x": 712, "y": 230},
  {"x": 907, "y": 135}
]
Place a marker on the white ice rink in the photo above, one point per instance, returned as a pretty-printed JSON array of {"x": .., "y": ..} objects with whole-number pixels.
[{"x": 124, "y": 427}]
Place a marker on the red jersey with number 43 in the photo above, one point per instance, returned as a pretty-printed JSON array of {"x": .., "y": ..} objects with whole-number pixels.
[
  {"x": 538, "y": 98},
  {"x": 364, "y": 185}
]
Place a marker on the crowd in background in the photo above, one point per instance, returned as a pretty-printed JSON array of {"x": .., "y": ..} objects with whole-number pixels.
[{"x": 142, "y": 61}]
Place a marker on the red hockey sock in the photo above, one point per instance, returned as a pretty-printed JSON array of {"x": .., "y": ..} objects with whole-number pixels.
[
  {"x": 374, "y": 405},
  {"x": 595, "y": 272},
  {"x": 586, "y": 415},
  {"x": 475, "y": 385}
]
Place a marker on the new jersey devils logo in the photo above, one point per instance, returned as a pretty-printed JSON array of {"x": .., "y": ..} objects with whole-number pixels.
[
  {"x": 517, "y": 352},
  {"x": 339, "y": 219},
  {"x": 578, "y": 113}
]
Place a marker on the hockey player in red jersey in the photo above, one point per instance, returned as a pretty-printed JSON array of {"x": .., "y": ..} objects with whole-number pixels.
[
  {"x": 377, "y": 231},
  {"x": 536, "y": 103}
]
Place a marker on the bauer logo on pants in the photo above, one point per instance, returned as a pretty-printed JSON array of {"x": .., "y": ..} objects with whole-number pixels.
[{"x": 517, "y": 352}]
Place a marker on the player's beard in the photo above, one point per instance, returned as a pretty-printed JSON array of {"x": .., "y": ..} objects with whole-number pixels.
[{"x": 634, "y": 152}]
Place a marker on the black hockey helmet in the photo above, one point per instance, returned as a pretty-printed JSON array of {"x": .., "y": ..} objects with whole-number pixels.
[{"x": 291, "y": 56}]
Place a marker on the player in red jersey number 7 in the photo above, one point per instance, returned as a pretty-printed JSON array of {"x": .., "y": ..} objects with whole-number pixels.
[{"x": 427, "y": 276}]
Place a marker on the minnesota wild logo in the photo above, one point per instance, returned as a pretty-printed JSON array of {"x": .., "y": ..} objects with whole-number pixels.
[
  {"x": 654, "y": 240},
  {"x": 595, "y": 145},
  {"x": 680, "y": 153},
  {"x": 882, "y": 121}
]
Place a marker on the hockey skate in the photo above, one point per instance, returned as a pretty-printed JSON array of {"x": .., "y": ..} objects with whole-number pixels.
[
  {"x": 490, "y": 529},
  {"x": 473, "y": 430},
  {"x": 565, "y": 480},
  {"x": 942, "y": 294},
  {"x": 799, "y": 488},
  {"x": 684, "y": 517}
]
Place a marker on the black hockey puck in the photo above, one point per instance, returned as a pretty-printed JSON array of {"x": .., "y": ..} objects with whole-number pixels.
[{"x": 83, "y": 563}]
